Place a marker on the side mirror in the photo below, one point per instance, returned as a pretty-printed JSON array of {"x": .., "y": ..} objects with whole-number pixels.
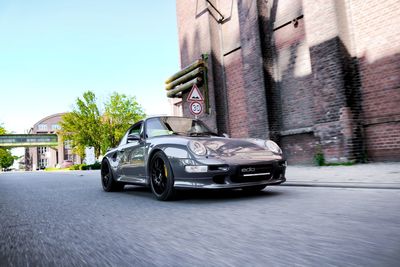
[
  {"x": 225, "y": 135},
  {"x": 133, "y": 137}
]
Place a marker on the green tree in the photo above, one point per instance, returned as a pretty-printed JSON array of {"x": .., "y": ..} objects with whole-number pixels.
[
  {"x": 83, "y": 126},
  {"x": 6, "y": 158},
  {"x": 121, "y": 111},
  {"x": 86, "y": 126}
]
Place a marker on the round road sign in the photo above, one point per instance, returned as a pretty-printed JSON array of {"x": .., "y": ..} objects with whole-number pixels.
[{"x": 196, "y": 108}]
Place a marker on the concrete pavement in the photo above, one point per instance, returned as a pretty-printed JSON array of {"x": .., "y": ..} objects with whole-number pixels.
[
  {"x": 370, "y": 175},
  {"x": 66, "y": 219}
]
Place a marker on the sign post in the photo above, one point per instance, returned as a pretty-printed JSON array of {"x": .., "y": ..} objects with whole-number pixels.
[
  {"x": 196, "y": 108},
  {"x": 196, "y": 101}
]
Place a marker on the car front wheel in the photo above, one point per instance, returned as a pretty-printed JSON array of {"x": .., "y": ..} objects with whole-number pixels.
[
  {"x": 107, "y": 179},
  {"x": 161, "y": 177}
]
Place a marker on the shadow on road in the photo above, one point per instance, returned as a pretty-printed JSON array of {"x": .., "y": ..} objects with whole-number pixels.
[
  {"x": 138, "y": 191},
  {"x": 205, "y": 195},
  {"x": 224, "y": 195}
]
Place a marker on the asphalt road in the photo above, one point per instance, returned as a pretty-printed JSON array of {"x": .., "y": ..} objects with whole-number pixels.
[{"x": 65, "y": 219}]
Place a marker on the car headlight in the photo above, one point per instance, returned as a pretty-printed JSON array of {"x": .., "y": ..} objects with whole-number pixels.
[
  {"x": 197, "y": 148},
  {"x": 271, "y": 145}
]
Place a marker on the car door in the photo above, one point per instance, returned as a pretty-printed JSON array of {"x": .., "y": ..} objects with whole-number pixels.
[{"x": 134, "y": 167}]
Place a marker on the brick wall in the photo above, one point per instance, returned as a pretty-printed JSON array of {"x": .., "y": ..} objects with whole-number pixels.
[
  {"x": 376, "y": 35},
  {"x": 299, "y": 148},
  {"x": 287, "y": 69},
  {"x": 194, "y": 40},
  {"x": 253, "y": 76},
  {"x": 327, "y": 82},
  {"x": 238, "y": 116},
  {"x": 293, "y": 77}
]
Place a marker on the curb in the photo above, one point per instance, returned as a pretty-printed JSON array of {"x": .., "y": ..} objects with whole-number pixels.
[{"x": 344, "y": 185}]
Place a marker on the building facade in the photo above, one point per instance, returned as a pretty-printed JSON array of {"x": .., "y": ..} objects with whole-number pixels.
[
  {"x": 320, "y": 77},
  {"x": 37, "y": 158}
]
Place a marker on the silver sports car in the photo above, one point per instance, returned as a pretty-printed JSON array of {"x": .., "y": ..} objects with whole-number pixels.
[{"x": 170, "y": 153}]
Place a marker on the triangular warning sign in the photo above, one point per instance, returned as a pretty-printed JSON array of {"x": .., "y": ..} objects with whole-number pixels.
[{"x": 195, "y": 94}]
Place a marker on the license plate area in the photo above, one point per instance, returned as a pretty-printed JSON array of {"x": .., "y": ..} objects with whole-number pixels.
[{"x": 255, "y": 170}]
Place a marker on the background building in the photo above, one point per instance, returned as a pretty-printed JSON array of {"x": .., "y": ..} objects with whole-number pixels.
[
  {"x": 43, "y": 157},
  {"x": 321, "y": 77}
]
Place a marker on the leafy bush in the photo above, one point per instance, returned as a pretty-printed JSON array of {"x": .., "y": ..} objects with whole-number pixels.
[
  {"x": 84, "y": 167},
  {"x": 76, "y": 167},
  {"x": 95, "y": 166},
  {"x": 319, "y": 159}
]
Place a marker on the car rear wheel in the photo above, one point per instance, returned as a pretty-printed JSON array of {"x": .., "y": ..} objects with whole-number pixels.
[
  {"x": 161, "y": 177},
  {"x": 107, "y": 179},
  {"x": 255, "y": 188}
]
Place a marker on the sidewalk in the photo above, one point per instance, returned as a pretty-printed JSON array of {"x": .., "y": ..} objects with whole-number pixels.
[{"x": 371, "y": 175}]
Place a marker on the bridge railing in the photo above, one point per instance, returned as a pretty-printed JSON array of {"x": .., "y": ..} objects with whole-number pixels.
[{"x": 28, "y": 140}]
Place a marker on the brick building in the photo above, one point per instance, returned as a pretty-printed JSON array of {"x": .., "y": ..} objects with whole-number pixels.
[
  {"x": 42, "y": 157},
  {"x": 317, "y": 76}
]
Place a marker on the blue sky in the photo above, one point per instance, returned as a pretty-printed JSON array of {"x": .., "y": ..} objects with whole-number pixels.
[{"x": 51, "y": 51}]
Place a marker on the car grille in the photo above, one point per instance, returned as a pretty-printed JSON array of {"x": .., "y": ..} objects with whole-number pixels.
[{"x": 253, "y": 173}]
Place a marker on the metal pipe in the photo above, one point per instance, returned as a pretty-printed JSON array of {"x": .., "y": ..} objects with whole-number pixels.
[
  {"x": 189, "y": 76},
  {"x": 219, "y": 13},
  {"x": 224, "y": 86},
  {"x": 183, "y": 87},
  {"x": 185, "y": 70}
]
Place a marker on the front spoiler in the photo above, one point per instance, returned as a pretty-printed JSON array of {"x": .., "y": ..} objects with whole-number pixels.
[{"x": 207, "y": 184}]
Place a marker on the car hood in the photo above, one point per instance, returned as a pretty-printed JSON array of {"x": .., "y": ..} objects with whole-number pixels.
[{"x": 236, "y": 148}]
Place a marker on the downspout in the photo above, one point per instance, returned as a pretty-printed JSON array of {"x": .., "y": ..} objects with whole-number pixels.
[{"x": 224, "y": 88}]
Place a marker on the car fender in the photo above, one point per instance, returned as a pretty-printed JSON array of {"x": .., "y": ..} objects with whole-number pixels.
[{"x": 174, "y": 152}]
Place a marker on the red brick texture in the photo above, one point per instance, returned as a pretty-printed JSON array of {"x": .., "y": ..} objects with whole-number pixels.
[
  {"x": 376, "y": 35},
  {"x": 238, "y": 116},
  {"x": 253, "y": 76},
  {"x": 314, "y": 75},
  {"x": 194, "y": 40}
]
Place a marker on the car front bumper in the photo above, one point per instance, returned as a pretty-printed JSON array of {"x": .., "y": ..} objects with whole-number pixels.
[{"x": 261, "y": 173}]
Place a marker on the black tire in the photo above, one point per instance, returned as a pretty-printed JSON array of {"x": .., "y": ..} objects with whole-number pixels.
[
  {"x": 161, "y": 177},
  {"x": 255, "y": 188},
  {"x": 107, "y": 179}
]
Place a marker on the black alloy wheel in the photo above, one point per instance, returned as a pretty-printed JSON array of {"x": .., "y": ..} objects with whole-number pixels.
[
  {"x": 107, "y": 179},
  {"x": 161, "y": 177}
]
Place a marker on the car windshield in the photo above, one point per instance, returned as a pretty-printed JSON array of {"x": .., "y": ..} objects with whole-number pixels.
[{"x": 176, "y": 125}]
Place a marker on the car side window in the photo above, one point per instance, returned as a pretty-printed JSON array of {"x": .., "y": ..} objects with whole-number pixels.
[{"x": 136, "y": 130}]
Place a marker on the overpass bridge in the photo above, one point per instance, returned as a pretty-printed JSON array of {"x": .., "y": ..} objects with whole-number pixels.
[{"x": 28, "y": 140}]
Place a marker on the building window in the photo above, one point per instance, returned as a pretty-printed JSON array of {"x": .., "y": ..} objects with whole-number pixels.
[
  {"x": 55, "y": 127},
  {"x": 68, "y": 155},
  {"x": 42, "y": 149},
  {"x": 42, "y": 127},
  {"x": 43, "y": 163},
  {"x": 68, "y": 144}
]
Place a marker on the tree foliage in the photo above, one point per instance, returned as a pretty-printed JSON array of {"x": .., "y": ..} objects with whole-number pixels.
[
  {"x": 83, "y": 125},
  {"x": 6, "y": 158},
  {"x": 121, "y": 111},
  {"x": 87, "y": 126}
]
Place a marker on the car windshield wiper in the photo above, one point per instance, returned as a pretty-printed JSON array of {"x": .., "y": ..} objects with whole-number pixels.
[
  {"x": 179, "y": 133},
  {"x": 202, "y": 133}
]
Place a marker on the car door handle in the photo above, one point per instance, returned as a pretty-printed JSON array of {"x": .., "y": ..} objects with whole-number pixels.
[{"x": 121, "y": 150}]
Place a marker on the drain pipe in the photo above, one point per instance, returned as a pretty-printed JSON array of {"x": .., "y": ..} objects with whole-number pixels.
[{"x": 224, "y": 87}]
